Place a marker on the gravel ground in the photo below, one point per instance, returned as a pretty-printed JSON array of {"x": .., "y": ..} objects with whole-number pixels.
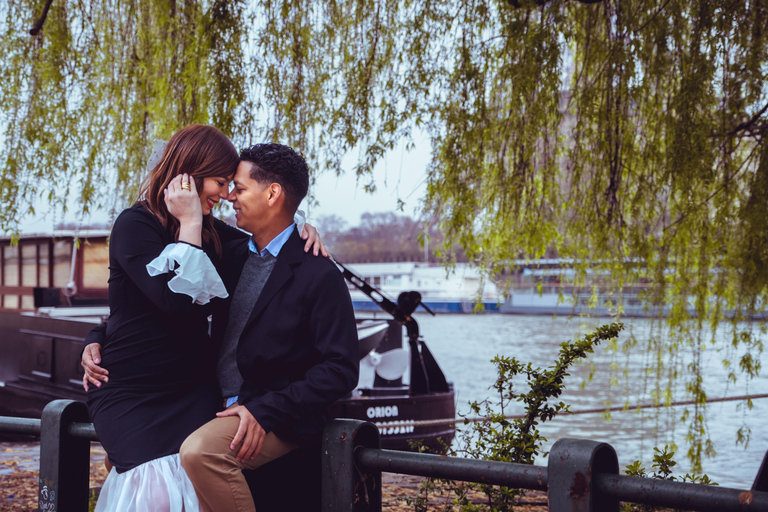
[{"x": 19, "y": 463}]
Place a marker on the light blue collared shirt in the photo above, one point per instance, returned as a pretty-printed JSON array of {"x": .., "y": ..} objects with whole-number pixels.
[
  {"x": 273, "y": 248},
  {"x": 275, "y": 245}
]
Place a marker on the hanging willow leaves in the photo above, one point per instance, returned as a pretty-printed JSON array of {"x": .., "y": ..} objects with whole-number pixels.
[{"x": 626, "y": 135}]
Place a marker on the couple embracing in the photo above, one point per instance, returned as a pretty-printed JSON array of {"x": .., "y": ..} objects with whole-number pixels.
[{"x": 181, "y": 412}]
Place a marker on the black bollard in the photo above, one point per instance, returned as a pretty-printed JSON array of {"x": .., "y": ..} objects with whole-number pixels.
[
  {"x": 64, "y": 459},
  {"x": 344, "y": 486},
  {"x": 571, "y": 467}
]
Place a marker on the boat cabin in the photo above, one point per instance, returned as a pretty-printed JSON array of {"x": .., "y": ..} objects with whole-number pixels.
[{"x": 59, "y": 268}]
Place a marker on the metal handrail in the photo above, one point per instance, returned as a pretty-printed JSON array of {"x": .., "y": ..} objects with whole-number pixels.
[
  {"x": 648, "y": 491},
  {"x": 32, "y": 427},
  {"x": 685, "y": 495},
  {"x": 83, "y": 430},
  {"x": 453, "y": 468},
  {"x": 26, "y": 426},
  {"x": 581, "y": 475}
]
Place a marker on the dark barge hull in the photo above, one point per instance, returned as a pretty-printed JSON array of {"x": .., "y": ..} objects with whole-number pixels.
[
  {"x": 40, "y": 361},
  {"x": 398, "y": 418}
]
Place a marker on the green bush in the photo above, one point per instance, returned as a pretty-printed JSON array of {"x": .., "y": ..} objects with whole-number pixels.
[
  {"x": 663, "y": 462},
  {"x": 511, "y": 440}
]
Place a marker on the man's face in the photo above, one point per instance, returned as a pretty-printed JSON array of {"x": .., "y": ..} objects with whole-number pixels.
[{"x": 249, "y": 199}]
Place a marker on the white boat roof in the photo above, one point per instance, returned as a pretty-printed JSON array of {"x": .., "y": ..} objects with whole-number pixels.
[
  {"x": 433, "y": 270},
  {"x": 63, "y": 233}
]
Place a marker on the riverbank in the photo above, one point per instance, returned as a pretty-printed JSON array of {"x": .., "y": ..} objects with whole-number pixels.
[
  {"x": 19, "y": 467},
  {"x": 19, "y": 464}
]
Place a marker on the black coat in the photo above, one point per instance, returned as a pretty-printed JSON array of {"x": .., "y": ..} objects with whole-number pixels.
[{"x": 298, "y": 350}]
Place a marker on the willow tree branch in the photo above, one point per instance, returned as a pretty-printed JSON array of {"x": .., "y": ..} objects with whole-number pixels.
[
  {"x": 38, "y": 26},
  {"x": 748, "y": 124},
  {"x": 516, "y": 3}
]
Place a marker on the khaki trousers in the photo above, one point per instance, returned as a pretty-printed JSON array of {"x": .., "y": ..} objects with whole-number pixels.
[{"x": 216, "y": 474}]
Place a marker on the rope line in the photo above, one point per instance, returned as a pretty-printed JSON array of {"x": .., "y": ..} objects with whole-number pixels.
[{"x": 410, "y": 424}]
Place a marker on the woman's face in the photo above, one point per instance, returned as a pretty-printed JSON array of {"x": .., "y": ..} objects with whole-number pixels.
[{"x": 213, "y": 190}]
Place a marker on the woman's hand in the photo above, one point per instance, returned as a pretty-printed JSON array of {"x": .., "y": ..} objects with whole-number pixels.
[
  {"x": 310, "y": 234},
  {"x": 183, "y": 203},
  {"x": 93, "y": 372}
]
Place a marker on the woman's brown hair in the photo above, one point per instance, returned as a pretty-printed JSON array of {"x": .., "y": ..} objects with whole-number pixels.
[{"x": 200, "y": 151}]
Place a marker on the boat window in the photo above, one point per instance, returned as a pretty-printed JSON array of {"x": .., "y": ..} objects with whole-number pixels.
[
  {"x": 28, "y": 264},
  {"x": 11, "y": 301},
  {"x": 95, "y": 265},
  {"x": 62, "y": 260},
  {"x": 42, "y": 276},
  {"x": 27, "y": 302},
  {"x": 10, "y": 266},
  {"x": 10, "y": 275}
]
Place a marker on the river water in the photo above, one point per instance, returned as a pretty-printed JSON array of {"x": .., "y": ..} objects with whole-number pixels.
[{"x": 465, "y": 344}]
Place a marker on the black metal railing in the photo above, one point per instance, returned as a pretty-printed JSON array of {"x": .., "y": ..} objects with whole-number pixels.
[{"x": 581, "y": 475}]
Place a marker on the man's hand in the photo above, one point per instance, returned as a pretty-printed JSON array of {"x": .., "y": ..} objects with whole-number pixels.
[
  {"x": 93, "y": 373},
  {"x": 249, "y": 432},
  {"x": 310, "y": 234}
]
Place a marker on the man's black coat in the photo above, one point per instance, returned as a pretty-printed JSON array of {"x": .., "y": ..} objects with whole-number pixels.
[{"x": 298, "y": 351}]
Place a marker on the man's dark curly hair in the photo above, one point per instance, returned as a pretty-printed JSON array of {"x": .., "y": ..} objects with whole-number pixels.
[{"x": 277, "y": 163}]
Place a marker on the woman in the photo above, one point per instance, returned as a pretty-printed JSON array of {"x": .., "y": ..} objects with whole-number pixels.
[{"x": 161, "y": 362}]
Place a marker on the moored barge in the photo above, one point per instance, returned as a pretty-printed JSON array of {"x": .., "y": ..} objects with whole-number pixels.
[{"x": 53, "y": 292}]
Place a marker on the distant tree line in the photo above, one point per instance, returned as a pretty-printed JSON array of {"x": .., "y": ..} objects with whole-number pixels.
[{"x": 384, "y": 237}]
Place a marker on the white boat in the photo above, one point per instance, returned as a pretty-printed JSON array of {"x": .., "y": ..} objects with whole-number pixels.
[
  {"x": 545, "y": 287},
  {"x": 459, "y": 290}
]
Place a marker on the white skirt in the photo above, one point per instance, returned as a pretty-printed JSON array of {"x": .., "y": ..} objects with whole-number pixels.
[{"x": 160, "y": 485}]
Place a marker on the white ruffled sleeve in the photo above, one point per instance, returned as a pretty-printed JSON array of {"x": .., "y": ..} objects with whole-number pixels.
[
  {"x": 299, "y": 218},
  {"x": 195, "y": 274}
]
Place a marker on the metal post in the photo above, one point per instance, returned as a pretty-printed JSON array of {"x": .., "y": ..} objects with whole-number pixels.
[
  {"x": 344, "y": 486},
  {"x": 572, "y": 463},
  {"x": 64, "y": 459}
]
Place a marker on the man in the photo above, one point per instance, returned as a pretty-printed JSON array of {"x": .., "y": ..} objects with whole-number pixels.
[
  {"x": 297, "y": 348},
  {"x": 290, "y": 331}
]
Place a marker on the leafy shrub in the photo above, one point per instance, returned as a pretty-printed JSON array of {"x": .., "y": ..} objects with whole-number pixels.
[
  {"x": 505, "y": 439},
  {"x": 663, "y": 462}
]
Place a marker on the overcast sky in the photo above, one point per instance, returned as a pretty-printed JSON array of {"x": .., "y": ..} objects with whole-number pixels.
[{"x": 402, "y": 175}]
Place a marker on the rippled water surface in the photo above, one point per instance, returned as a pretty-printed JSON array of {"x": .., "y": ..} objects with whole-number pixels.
[{"x": 465, "y": 344}]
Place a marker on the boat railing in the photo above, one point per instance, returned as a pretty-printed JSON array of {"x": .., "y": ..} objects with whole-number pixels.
[{"x": 581, "y": 475}]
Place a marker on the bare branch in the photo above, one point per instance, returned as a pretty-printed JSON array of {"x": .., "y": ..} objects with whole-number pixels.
[
  {"x": 38, "y": 26},
  {"x": 748, "y": 124}
]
